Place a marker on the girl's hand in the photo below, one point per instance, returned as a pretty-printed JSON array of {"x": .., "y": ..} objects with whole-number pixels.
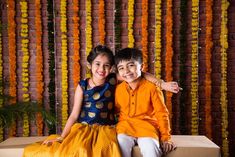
[
  {"x": 51, "y": 141},
  {"x": 167, "y": 146},
  {"x": 171, "y": 86}
]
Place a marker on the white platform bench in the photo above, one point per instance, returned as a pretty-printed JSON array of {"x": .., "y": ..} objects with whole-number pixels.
[{"x": 187, "y": 146}]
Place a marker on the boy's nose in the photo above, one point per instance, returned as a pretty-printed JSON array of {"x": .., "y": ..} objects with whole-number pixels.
[{"x": 126, "y": 70}]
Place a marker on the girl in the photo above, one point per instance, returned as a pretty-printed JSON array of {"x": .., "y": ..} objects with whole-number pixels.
[{"x": 93, "y": 109}]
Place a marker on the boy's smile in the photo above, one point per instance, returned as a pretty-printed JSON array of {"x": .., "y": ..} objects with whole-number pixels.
[{"x": 129, "y": 70}]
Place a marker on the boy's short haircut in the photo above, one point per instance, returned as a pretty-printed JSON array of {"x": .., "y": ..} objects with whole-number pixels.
[{"x": 127, "y": 54}]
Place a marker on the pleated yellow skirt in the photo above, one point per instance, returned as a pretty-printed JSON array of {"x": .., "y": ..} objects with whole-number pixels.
[{"x": 82, "y": 141}]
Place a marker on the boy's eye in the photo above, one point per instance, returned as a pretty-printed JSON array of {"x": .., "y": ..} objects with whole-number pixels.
[
  {"x": 131, "y": 65},
  {"x": 119, "y": 69}
]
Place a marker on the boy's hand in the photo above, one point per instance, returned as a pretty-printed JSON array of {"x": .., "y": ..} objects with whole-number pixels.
[
  {"x": 167, "y": 146},
  {"x": 171, "y": 86}
]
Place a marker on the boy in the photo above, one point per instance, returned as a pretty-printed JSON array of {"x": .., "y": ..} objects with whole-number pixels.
[{"x": 143, "y": 116}]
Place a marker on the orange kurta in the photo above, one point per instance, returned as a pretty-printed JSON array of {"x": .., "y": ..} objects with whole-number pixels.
[{"x": 142, "y": 111}]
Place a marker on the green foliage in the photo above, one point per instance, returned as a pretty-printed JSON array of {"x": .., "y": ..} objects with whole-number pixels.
[{"x": 9, "y": 113}]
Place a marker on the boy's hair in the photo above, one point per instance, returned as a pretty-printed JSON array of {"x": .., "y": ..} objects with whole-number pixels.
[
  {"x": 128, "y": 54},
  {"x": 101, "y": 50}
]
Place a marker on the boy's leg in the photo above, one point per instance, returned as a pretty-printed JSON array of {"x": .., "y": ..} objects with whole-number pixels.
[
  {"x": 149, "y": 147},
  {"x": 126, "y": 144}
]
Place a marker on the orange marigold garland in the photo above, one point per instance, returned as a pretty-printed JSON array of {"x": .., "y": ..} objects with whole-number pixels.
[
  {"x": 12, "y": 56},
  {"x": 169, "y": 53},
  {"x": 101, "y": 22},
  {"x": 12, "y": 48},
  {"x": 208, "y": 42},
  {"x": 39, "y": 62},
  {"x": 194, "y": 75},
  {"x": 144, "y": 40},
  {"x": 76, "y": 45}
]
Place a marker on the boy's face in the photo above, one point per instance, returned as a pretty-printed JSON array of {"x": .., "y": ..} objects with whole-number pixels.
[{"x": 129, "y": 70}]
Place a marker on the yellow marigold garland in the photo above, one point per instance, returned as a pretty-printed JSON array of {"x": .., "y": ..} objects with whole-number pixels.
[
  {"x": 169, "y": 53},
  {"x": 64, "y": 60},
  {"x": 101, "y": 21},
  {"x": 25, "y": 61},
  {"x": 131, "y": 39},
  {"x": 39, "y": 62},
  {"x": 76, "y": 57},
  {"x": 158, "y": 46},
  {"x": 144, "y": 40},
  {"x": 88, "y": 32},
  {"x": 194, "y": 75},
  {"x": 223, "y": 86},
  {"x": 208, "y": 42},
  {"x": 1, "y": 88}
]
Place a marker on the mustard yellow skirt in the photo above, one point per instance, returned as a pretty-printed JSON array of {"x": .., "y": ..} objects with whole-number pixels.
[{"x": 82, "y": 141}]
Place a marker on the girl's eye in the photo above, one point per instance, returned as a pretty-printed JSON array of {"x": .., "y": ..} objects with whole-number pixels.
[{"x": 107, "y": 65}]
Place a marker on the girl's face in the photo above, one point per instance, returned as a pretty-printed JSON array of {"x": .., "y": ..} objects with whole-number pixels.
[{"x": 100, "y": 67}]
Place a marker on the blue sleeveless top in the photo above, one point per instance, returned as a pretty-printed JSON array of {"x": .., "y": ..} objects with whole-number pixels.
[{"x": 98, "y": 102}]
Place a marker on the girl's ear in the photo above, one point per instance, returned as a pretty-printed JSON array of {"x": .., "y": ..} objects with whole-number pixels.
[{"x": 88, "y": 66}]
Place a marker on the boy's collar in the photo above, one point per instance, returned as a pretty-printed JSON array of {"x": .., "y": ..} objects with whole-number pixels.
[{"x": 140, "y": 82}]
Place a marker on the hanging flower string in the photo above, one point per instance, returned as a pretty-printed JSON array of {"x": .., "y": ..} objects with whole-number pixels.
[
  {"x": 169, "y": 54},
  {"x": 131, "y": 39},
  {"x": 88, "y": 32},
  {"x": 144, "y": 40},
  {"x": 12, "y": 48},
  {"x": 64, "y": 60},
  {"x": 25, "y": 61},
  {"x": 158, "y": 14},
  {"x": 76, "y": 57},
  {"x": 223, "y": 86},
  {"x": 101, "y": 21},
  {"x": 117, "y": 25},
  {"x": 39, "y": 62},
  {"x": 12, "y": 56},
  {"x": 1, "y": 87},
  {"x": 194, "y": 79},
  {"x": 208, "y": 42}
]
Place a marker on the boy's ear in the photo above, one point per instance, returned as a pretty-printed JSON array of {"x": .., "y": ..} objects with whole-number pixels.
[
  {"x": 141, "y": 67},
  {"x": 88, "y": 65}
]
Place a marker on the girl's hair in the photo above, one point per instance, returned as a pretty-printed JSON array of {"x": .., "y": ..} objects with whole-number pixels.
[
  {"x": 100, "y": 50},
  {"x": 127, "y": 54}
]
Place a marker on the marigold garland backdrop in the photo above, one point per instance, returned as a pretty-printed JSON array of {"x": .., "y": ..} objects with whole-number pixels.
[{"x": 44, "y": 44}]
